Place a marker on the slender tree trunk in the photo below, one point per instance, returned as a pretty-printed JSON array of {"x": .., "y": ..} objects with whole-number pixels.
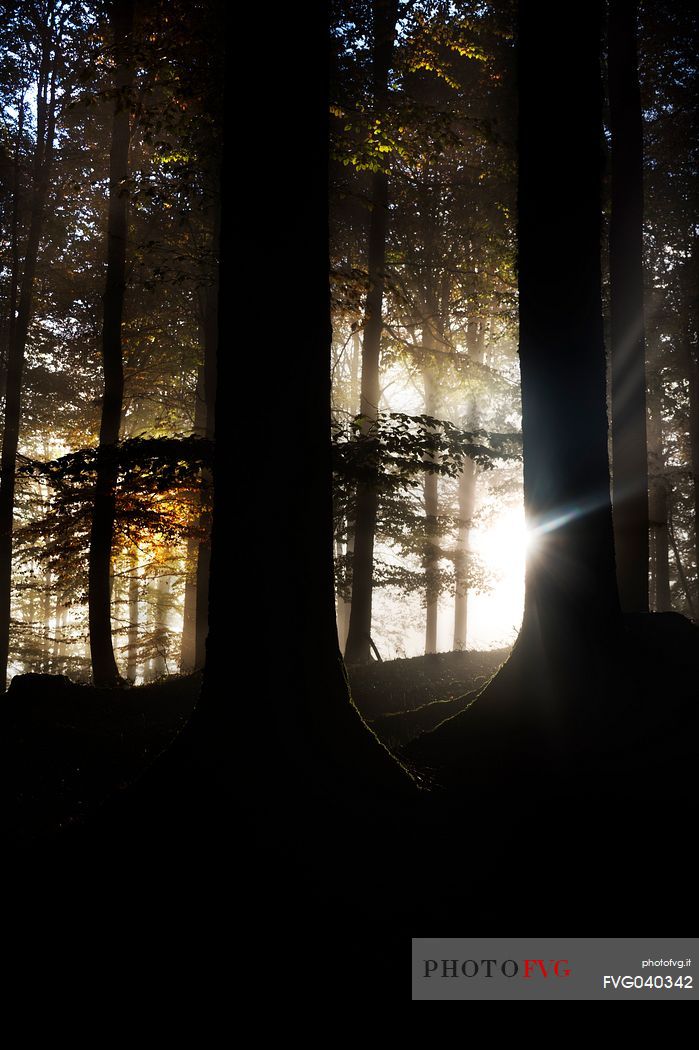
[
  {"x": 58, "y": 617},
  {"x": 46, "y": 622},
  {"x": 659, "y": 494},
  {"x": 342, "y": 624},
  {"x": 345, "y": 605},
  {"x": 210, "y": 357},
  {"x": 189, "y": 617},
  {"x": 358, "y": 648},
  {"x": 571, "y": 591},
  {"x": 659, "y": 497},
  {"x": 435, "y": 308},
  {"x": 132, "y": 650},
  {"x": 104, "y": 667},
  {"x": 629, "y": 442},
  {"x": 159, "y": 665},
  {"x": 14, "y": 234},
  {"x": 196, "y": 619},
  {"x": 693, "y": 387},
  {"x": 30, "y": 664},
  {"x": 431, "y": 495},
  {"x": 188, "y": 643},
  {"x": 19, "y": 328},
  {"x": 467, "y": 503},
  {"x": 355, "y": 389},
  {"x": 60, "y": 645}
]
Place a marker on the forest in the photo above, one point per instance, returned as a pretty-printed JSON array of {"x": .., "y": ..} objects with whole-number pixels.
[{"x": 407, "y": 325}]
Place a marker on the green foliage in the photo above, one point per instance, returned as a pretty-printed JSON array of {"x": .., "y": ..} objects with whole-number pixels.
[
  {"x": 396, "y": 450},
  {"x": 395, "y": 453}
]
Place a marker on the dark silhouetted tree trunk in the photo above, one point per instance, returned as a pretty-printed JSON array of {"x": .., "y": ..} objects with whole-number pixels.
[
  {"x": 307, "y": 770},
  {"x": 553, "y": 688},
  {"x": 19, "y": 327},
  {"x": 358, "y": 639},
  {"x": 311, "y": 727},
  {"x": 629, "y": 442},
  {"x": 571, "y": 591},
  {"x": 104, "y": 668}
]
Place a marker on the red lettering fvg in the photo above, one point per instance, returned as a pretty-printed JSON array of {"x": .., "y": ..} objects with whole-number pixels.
[{"x": 532, "y": 966}]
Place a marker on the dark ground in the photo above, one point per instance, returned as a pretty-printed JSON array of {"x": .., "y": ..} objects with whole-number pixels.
[
  {"x": 252, "y": 875},
  {"x": 65, "y": 747}
]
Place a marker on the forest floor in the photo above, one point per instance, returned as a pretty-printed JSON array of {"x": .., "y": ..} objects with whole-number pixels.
[
  {"x": 65, "y": 747},
  {"x": 402, "y": 698},
  {"x": 516, "y": 835}
]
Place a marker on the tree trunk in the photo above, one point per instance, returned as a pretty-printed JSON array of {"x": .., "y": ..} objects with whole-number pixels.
[
  {"x": 132, "y": 650},
  {"x": 659, "y": 497},
  {"x": 19, "y": 328},
  {"x": 14, "y": 233},
  {"x": 431, "y": 494},
  {"x": 629, "y": 442},
  {"x": 344, "y": 605},
  {"x": 161, "y": 590},
  {"x": 467, "y": 503},
  {"x": 188, "y": 642},
  {"x": 210, "y": 316},
  {"x": 31, "y": 621},
  {"x": 104, "y": 667},
  {"x": 58, "y": 633},
  {"x": 358, "y": 648},
  {"x": 681, "y": 574},
  {"x": 554, "y": 688},
  {"x": 317, "y": 761},
  {"x": 196, "y": 621},
  {"x": 571, "y": 591},
  {"x": 435, "y": 308},
  {"x": 693, "y": 389},
  {"x": 46, "y": 622},
  {"x": 189, "y": 615}
]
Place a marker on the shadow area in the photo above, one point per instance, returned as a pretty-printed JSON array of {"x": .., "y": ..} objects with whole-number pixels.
[{"x": 254, "y": 872}]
